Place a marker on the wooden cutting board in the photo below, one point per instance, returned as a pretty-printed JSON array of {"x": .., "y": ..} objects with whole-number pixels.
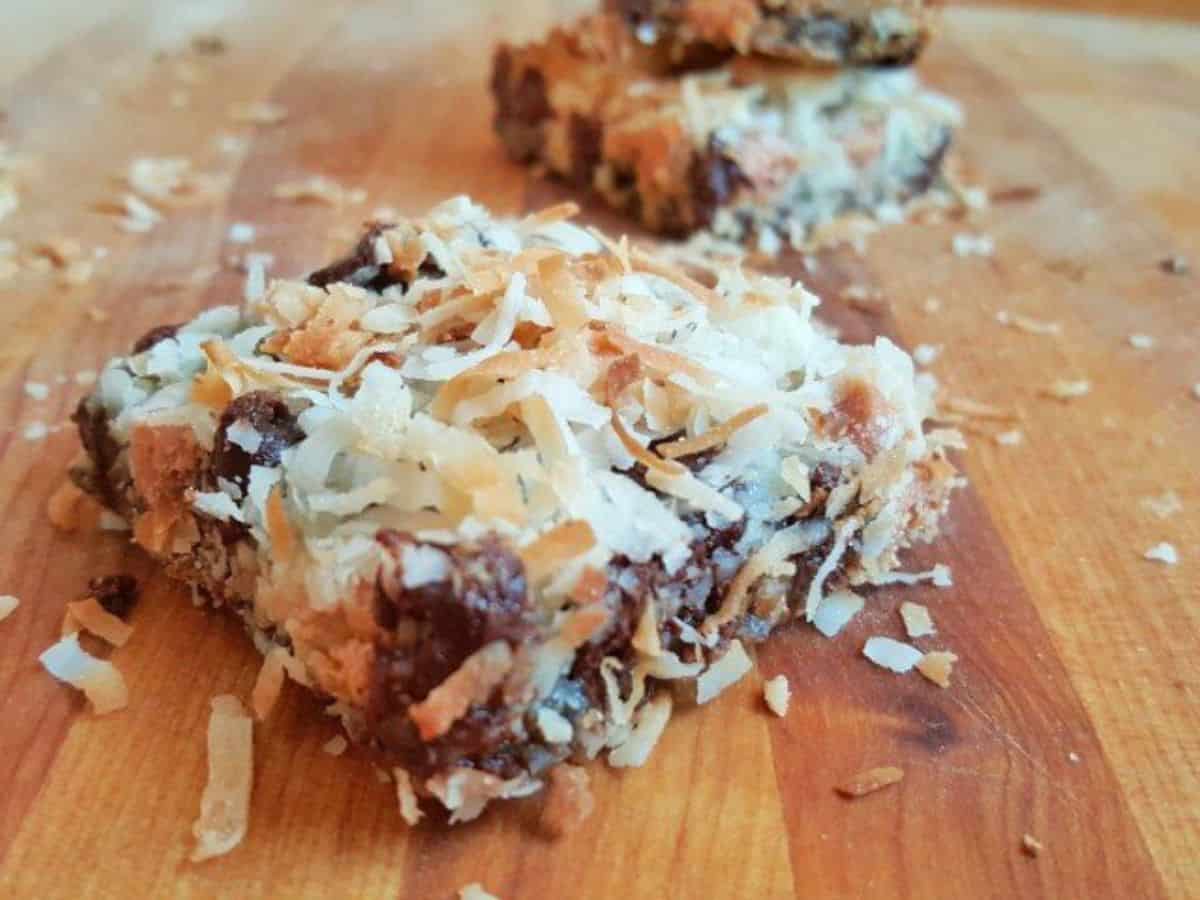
[{"x": 1074, "y": 715}]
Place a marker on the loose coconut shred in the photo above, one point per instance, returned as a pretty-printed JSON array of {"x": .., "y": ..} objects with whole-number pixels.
[
  {"x": 503, "y": 489},
  {"x": 99, "y": 679},
  {"x": 225, "y": 804}
]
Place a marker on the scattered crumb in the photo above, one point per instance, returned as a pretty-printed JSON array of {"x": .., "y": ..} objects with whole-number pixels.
[
  {"x": 1030, "y": 845},
  {"x": 835, "y": 610},
  {"x": 77, "y": 273},
  {"x": 887, "y": 653},
  {"x": 932, "y": 305},
  {"x": 917, "y": 621},
  {"x": 937, "y": 666},
  {"x": 133, "y": 214},
  {"x": 89, "y": 615},
  {"x": 1065, "y": 389},
  {"x": 336, "y": 745},
  {"x": 1164, "y": 506},
  {"x": 256, "y": 275},
  {"x": 1175, "y": 265},
  {"x": 269, "y": 683},
  {"x": 925, "y": 354},
  {"x": 231, "y": 144},
  {"x": 382, "y": 776},
  {"x": 1141, "y": 341},
  {"x": 35, "y": 431},
  {"x": 96, "y": 314},
  {"x": 318, "y": 189},
  {"x": 1010, "y": 438},
  {"x": 406, "y": 797},
  {"x": 1164, "y": 553},
  {"x": 974, "y": 245},
  {"x": 1196, "y": 390},
  {"x": 475, "y": 891},
  {"x": 258, "y": 113},
  {"x": 777, "y": 693},
  {"x": 1027, "y": 324},
  {"x": 241, "y": 233},
  {"x": 1073, "y": 758},
  {"x": 35, "y": 390},
  {"x": 8, "y": 603},
  {"x": 99, "y": 679},
  {"x": 225, "y": 803},
  {"x": 86, "y": 377},
  {"x": 569, "y": 800},
  {"x": 869, "y": 781},
  {"x": 967, "y": 407},
  {"x": 208, "y": 44}
]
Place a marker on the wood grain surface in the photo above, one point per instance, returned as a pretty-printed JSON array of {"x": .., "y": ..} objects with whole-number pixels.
[{"x": 1075, "y": 712}]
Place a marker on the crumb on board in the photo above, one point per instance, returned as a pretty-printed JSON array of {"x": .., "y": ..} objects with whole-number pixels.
[
  {"x": 336, "y": 745},
  {"x": 225, "y": 803},
  {"x": 8, "y": 603},
  {"x": 36, "y": 390},
  {"x": 1196, "y": 390},
  {"x": 1073, "y": 758},
  {"x": 926, "y": 354},
  {"x": 869, "y": 781},
  {"x": 777, "y": 694},
  {"x": 888, "y": 653},
  {"x": 1013, "y": 437},
  {"x": 917, "y": 621},
  {"x": 35, "y": 431},
  {"x": 1068, "y": 389},
  {"x": 318, "y": 189},
  {"x": 475, "y": 891},
  {"x": 99, "y": 679},
  {"x": 932, "y": 305},
  {"x": 241, "y": 233},
  {"x": 406, "y": 797},
  {"x": 90, "y": 615},
  {"x": 1163, "y": 505},
  {"x": 1027, "y": 324},
  {"x": 836, "y": 609},
  {"x": 70, "y": 509},
  {"x": 1164, "y": 553},
  {"x": 1141, "y": 341},
  {"x": 569, "y": 800},
  {"x": 1031, "y": 846},
  {"x": 965, "y": 245},
  {"x": 1175, "y": 265},
  {"x": 261, "y": 112},
  {"x": 937, "y": 666}
]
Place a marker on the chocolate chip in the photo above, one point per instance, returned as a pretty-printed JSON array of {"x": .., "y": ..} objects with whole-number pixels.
[
  {"x": 586, "y": 140},
  {"x": 116, "y": 593},
  {"x": 713, "y": 178},
  {"x": 154, "y": 336},
  {"x": 267, "y": 414}
]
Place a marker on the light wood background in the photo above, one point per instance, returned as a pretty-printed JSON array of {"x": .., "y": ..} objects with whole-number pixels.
[{"x": 1075, "y": 716}]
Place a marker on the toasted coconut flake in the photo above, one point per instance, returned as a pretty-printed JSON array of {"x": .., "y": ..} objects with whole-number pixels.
[
  {"x": 406, "y": 797},
  {"x": 646, "y": 263},
  {"x": 652, "y": 461},
  {"x": 715, "y": 436},
  {"x": 1164, "y": 505},
  {"x": 475, "y": 891},
  {"x": 766, "y": 560},
  {"x": 269, "y": 683},
  {"x": 726, "y": 671},
  {"x": 836, "y": 610},
  {"x": 645, "y": 637},
  {"x": 8, "y": 604},
  {"x": 648, "y": 727},
  {"x": 937, "y": 665},
  {"x": 777, "y": 694},
  {"x": 225, "y": 803},
  {"x": 89, "y": 615},
  {"x": 336, "y": 745},
  {"x": 869, "y": 781},
  {"x": 472, "y": 682},
  {"x": 557, "y": 213},
  {"x": 279, "y": 529},
  {"x": 559, "y": 545},
  {"x": 99, "y": 679},
  {"x": 569, "y": 800},
  {"x": 1066, "y": 389},
  {"x": 1164, "y": 553},
  {"x": 658, "y": 359},
  {"x": 70, "y": 509},
  {"x": 891, "y": 654},
  {"x": 1031, "y": 846},
  {"x": 917, "y": 621}
]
